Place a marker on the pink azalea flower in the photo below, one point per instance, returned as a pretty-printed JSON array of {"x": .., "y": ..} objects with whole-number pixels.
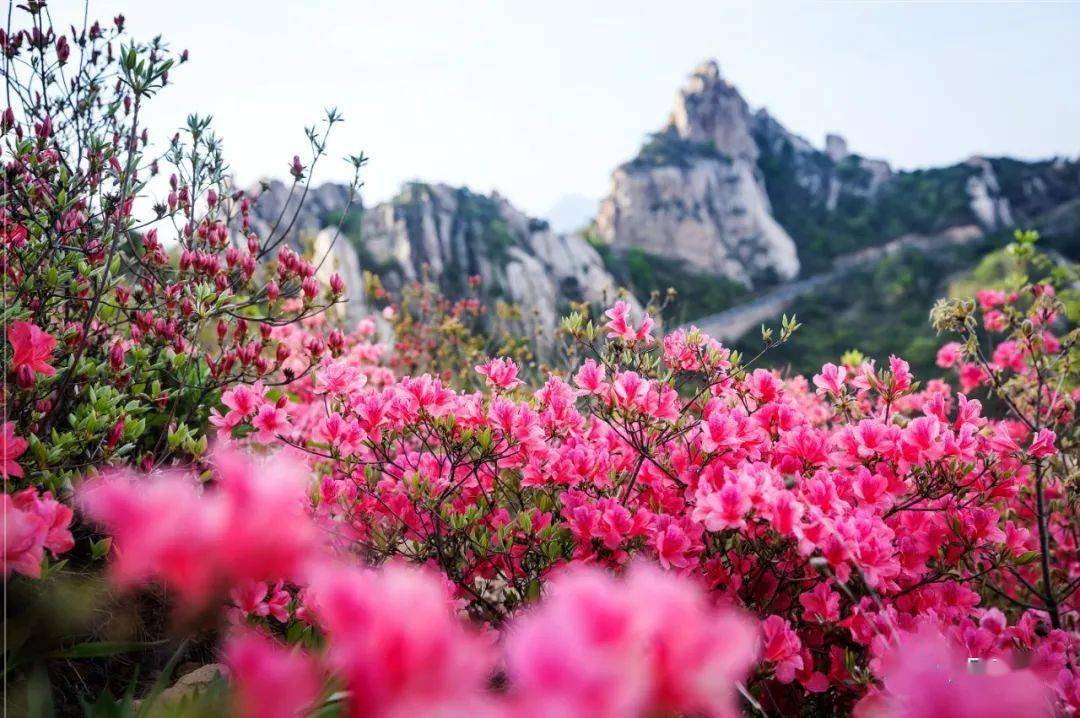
[
  {"x": 619, "y": 326},
  {"x": 925, "y": 677},
  {"x": 395, "y": 643},
  {"x": 269, "y": 680},
  {"x": 590, "y": 377},
  {"x": 831, "y": 379},
  {"x": 949, "y": 354},
  {"x": 24, "y": 540},
  {"x": 11, "y": 448},
  {"x": 822, "y": 604},
  {"x": 251, "y": 527},
  {"x": 270, "y": 420},
  {"x": 782, "y": 648},
  {"x": 1043, "y": 444},
  {"x": 32, "y": 347},
  {"x": 990, "y": 298},
  {"x": 901, "y": 374},
  {"x": 243, "y": 401},
  {"x": 500, "y": 373},
  {"x": 722, "y": 509},
  {"x": 650, "y": 644},
  {"x": 33, "y": 524}
]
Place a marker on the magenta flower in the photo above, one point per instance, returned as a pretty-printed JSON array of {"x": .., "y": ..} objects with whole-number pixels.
[
  {"x": 394, "y": 641},
  {"x": 32, "y": 347},
  {"x": 269, "y": 680},
  {"x": 11, "y": 448},
  {"x": 500, "y": 373},
  {"x": 33, "y": 524},
  {"x": 650, "y": 644}
]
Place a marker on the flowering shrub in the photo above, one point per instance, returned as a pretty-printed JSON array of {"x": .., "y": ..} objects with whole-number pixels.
[
  {"x": 843, "y": 514},
  {"x": 122, "y": 329},
  {"x": 429, "y": 526}
]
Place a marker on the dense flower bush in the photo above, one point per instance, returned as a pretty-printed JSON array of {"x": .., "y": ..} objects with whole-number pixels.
[
  {"x": 123, "y": 322},
  {"x": 420, "y": 525}
]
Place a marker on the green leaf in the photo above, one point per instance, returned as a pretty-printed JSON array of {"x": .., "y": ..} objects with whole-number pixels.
[
  {"x": 295, "y": 632},
  {"x": 1026, "y": 558},
  {"x": 100, "y": 549}
]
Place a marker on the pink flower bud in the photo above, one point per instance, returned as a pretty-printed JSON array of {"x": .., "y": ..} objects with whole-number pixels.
[
  {"x": 116, "y": 356},
  {"x": 336, "y": 341},
  {"x": 63, "y": 50},
  {"x": 116, "y": 433},
  {"x": 296, "y": 169},
  {"x": 25, "y": 377}
]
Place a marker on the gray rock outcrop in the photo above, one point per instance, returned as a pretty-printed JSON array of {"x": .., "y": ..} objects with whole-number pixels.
[
  {"x": 447, "y": 235},
  {"x": 695, "y": 193}
]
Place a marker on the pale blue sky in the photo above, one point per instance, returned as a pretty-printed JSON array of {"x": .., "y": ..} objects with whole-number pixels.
[{"x": 541, "y": 99}]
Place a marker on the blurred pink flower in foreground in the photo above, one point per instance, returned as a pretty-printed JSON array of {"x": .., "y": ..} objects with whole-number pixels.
[
  {"x": 11, "y": 448},
  {"x": 395, "y": 642},
  {"x": 647, "y": 644},
  {"x": 925, "y": 677},
  {"x": 269, "y": 680},
  {"x": 251, "y": 526}
]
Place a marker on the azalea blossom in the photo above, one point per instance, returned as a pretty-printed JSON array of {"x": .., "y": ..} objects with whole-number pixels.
[
  {"x": 251, "y": 527},
  {"x": 33, "y": 524},
  {"x": 32, "y": 347},
  {"x": 501, "y": 373},
  {"x": 619, "y": 326},
  {"x": 11, "y": 448},
  {"x": 269, "y": 680}
]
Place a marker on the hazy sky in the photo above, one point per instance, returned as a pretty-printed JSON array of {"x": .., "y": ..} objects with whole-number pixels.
[{"x": 542, "y": 98}]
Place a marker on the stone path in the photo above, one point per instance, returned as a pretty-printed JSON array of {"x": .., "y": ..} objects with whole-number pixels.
[{"x": 733, "y": 323}]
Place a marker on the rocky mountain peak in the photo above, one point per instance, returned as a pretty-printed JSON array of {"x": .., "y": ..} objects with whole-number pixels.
[
  {"x": 836, "y": 147},
  {"x": 695, "y": 194},
  {"x": 710, "y": 110}
]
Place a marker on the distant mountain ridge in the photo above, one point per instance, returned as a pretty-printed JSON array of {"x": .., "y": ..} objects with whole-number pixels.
[
  {"x": 733, "y": 192},
  {"x": 448, "y": 234},
  {"x": 722, "y": 203}
]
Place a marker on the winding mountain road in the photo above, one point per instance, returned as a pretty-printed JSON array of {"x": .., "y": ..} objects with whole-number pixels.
[{"x": 731, "y": 324}]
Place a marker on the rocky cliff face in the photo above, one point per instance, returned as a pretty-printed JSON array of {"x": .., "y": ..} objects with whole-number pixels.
[
  {"x": 734, "y": 193},
  {"x": 695, "y": 193},
  {"x": 448, "y": 234},
  {"x": 722, "y": 192},
  {"x": 456, "y": 234}
]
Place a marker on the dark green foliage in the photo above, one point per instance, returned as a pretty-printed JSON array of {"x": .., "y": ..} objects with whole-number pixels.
[
  {"x": 351, "y": 221},
  {"x": 1034, "y": 188},
  {"x": 878, "y": 310},
  {"x": 644, "y": 273},
  {"x": 478, "y": 222},
  {"x": 667, "y": 148},
  {"x": 352, "y": 230},
  {"x": 483, "y": 222},
  {"x": 922, "y": 201}
]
